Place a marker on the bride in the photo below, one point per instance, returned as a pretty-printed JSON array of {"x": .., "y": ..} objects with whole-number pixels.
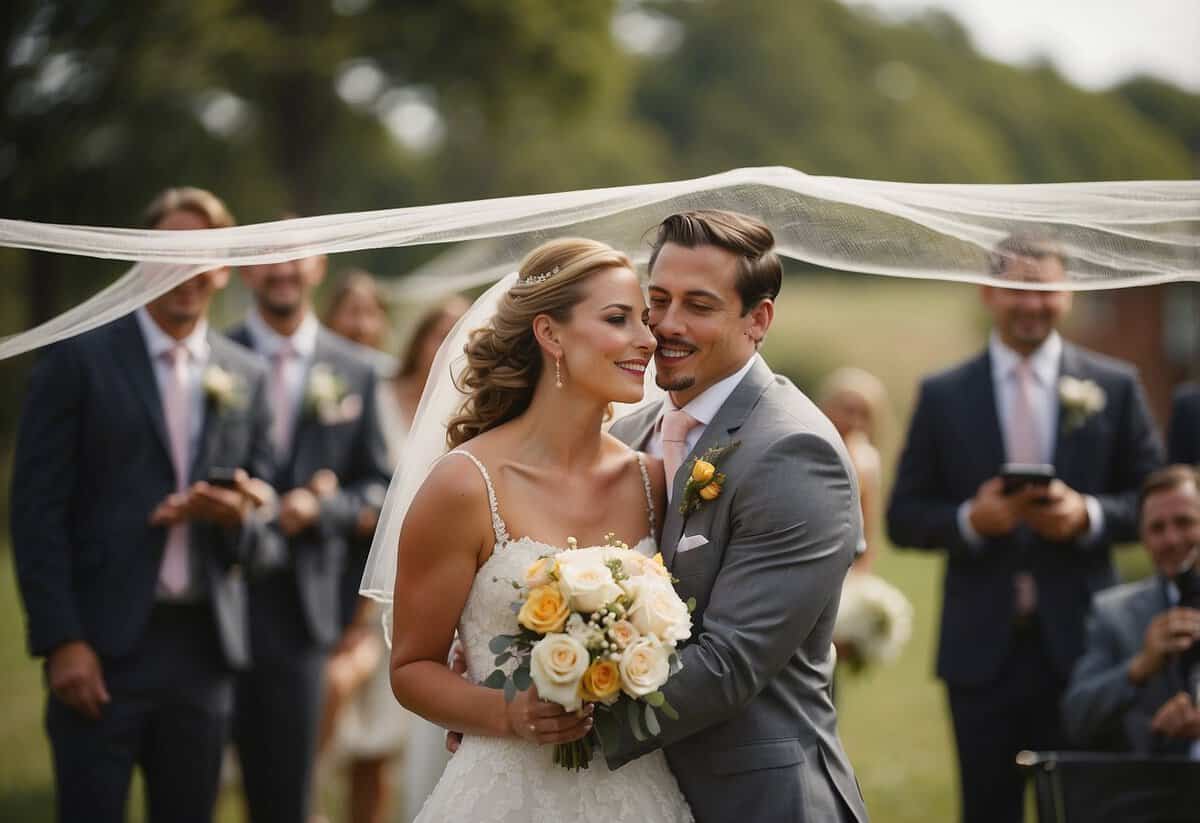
[{"x": 529, "y": 467}]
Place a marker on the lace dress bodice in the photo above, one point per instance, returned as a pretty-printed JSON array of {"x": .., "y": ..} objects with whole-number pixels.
[{"x": 506, "y": 779}]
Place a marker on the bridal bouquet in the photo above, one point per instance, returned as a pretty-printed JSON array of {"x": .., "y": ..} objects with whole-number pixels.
[
  {"x": 874, "y": 621},
  {"x": 597, "y": 625}
]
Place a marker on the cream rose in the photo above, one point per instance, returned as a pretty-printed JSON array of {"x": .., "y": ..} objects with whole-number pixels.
[
  {"x": 539, "y": 573},
  {"x": 658, "y": 610},
  {"x": 622, "y": 633},
  {"x": 557, "y": 665},
  {"x": 587, "y": 582},
  {"x": 645, "y": 666}
]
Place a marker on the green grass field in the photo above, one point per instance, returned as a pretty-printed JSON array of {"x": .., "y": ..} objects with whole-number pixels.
[{"x": 893, "y": 719}]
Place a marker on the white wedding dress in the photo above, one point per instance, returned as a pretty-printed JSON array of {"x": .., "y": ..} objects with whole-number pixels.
[{"x": 497, "y": 780}]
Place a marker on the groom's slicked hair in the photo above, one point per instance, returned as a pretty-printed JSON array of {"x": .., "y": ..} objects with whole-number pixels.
[{"x": 760, "y": 272}]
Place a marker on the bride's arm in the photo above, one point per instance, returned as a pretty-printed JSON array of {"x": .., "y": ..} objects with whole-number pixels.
[{"x": 446, "y": 532}]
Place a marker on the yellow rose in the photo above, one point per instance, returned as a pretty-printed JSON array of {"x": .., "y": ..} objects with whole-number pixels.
[
  {"x": 658, "y": 559},
  {"x": 544, "y": 611},
  {"x": 539, "y": 574},
  {"x": 601, "y": 683},
  {"x": 711, "y": 492},
  {"x": 703, "y": 471}
]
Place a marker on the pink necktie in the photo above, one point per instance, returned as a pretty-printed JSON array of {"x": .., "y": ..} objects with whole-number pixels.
[
  {"x": 173, "y": 574},
  {"x": 281, "y": 406},
  {"x": 1024, "y": 446},
  {"x": 675, "y": 427}
]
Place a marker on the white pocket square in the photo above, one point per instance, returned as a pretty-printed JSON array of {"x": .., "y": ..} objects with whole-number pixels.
[{"x": 689, "y": 542}]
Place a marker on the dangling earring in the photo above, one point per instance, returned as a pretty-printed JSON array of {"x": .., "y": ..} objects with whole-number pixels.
[{"x": 558, "y": 384}]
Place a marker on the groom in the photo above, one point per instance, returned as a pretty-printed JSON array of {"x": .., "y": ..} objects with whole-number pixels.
[{"x": 765, "y": 560}]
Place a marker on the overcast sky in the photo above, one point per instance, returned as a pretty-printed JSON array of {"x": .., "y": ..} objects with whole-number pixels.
[{"x": 1095, "y": 43}]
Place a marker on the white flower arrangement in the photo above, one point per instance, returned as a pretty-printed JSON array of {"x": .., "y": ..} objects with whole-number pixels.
[
  {"x": 874, "y": 621},
  {"x": 1080, "y": 400},
  {"x": 224, "y": 388},
  {"x": 326, "y": 396},
  {"x": 597, "y": 625}
]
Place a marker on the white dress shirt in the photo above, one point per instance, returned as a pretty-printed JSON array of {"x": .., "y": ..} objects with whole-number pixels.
[
  {"x": 1045, "y": 364},
  {"x": 267, "y": 342},
  {"x": 158, "y": 342},
  {"x": 703, "y": 408}
]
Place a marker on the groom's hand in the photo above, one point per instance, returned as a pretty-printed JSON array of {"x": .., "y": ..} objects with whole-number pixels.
[
  {"x": 538, "y": 721},
  {"x": 75, "y": 678}
]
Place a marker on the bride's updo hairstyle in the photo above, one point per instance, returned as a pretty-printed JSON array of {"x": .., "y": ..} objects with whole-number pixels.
[{"x": 504, "y": 360}]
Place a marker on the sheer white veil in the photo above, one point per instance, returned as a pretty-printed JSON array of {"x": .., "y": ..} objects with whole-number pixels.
[{"x": 426, "y": 440}]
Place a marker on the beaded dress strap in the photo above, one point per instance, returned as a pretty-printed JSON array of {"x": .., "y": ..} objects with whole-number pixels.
[
  {"x": 649, "y": 493},
  {"x": 498, "y": 525}
]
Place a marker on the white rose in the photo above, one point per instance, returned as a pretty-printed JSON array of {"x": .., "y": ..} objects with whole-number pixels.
[
  {"x": 557, "y": 665},
  {"x": 644, "y": 666},
  {"x": 635, "y": 564},
  {"x": 657, "y": 609},
  {"x": 587, "y": 582},
  {"x": 589, "y": 636}
]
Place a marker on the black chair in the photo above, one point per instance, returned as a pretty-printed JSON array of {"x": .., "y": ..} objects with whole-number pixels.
[{"x": 1098, "y": 787}]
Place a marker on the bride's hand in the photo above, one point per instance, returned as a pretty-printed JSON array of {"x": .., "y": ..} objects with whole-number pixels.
[{"x": 531, "y": 718}]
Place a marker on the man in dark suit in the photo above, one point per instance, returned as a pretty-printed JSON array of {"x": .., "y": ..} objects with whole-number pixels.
[
  {"x": 128, "y": 559},
  {"x": 1021, "y": 568},
  {"x": 332, "y": 462},
  {"x": 1130, "y": 691},
  {"x": 1183, "y": 432}
]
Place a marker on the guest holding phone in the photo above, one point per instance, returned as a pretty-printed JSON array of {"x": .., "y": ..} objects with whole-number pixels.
[{"x": 1021, "y": 566}]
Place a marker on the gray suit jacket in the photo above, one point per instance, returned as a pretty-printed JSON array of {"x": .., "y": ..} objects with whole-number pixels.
[
  {"x": 1101, "y": 708},
  {"x": 757, "y": 734}
]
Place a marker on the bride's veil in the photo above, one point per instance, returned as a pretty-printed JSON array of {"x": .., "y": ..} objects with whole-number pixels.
[{"x": 426, "y": 441}]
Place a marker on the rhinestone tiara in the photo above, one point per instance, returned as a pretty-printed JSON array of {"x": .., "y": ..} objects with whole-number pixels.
[{"x": 541, "y": 278}]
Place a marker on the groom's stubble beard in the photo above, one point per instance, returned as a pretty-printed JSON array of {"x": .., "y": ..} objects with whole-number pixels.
[{"x": 678, "y": 384}]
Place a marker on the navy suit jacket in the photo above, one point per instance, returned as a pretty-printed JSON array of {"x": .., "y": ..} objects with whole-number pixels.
[
  {"x": 954, "y": 445},
  {"x": 1101, "y": 708},
  {"x": 92, "y": 464},
  {"x": 1183, "y": 432},
  {"x": 355, "y": 451}
]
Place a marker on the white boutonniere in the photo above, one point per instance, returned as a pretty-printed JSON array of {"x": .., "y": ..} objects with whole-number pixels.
[
  {"x": 1080, "y": 400},
  {"x": 704, "y": 481},
  {"x": 224, "y": 388},
  {"x": 327, "y": 397}
]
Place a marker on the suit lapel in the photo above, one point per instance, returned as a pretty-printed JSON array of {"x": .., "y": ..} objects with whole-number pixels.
[
  {"x": 1067, "y": 444},
  {"x": 205, "y": 457},
  {"x": 729, "y": 419},
  {"x": 980, "y": 397},
  {"x": 139, "y": 371}
]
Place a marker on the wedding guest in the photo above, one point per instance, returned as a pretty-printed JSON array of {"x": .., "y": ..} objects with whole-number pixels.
[
  {"x": 332, "y": 461},
  {"x": 357, "y": 309},
  {"x": 855, "y": 400},
  {"x": 1133, "y": 689},
  {"x": 1021, "y": 567},
  {"x": 130, "y": 498},
  {"x": 1183, "y": 431}
]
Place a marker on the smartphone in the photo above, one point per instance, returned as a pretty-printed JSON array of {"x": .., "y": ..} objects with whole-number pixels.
[
  {"x": 222, "y": 476},
  {"x": 1019, "y": 476}
]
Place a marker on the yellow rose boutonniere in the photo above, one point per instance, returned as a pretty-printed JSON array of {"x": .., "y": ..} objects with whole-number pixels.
[{"x": 704, "y": 481}]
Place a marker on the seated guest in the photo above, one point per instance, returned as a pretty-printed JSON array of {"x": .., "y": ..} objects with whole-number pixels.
[
  {"x": 1183, "y": 432},
  {"x": 1134, "y": 687}
]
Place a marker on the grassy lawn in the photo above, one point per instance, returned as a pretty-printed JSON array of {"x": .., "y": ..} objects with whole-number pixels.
[{"x": 894, "y": 719}]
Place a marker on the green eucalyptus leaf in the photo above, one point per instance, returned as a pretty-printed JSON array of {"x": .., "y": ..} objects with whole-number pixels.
[
  {"x": 500, "y": 643},
  {"x": 522, "y": 678},
  {"x": 652, "y": 722},
  {"x": 655, "y": 698},
  {"x": 495, "y": 680},
  {"x": 669, "y": 710},
  {"x": 510, "y": 691}
]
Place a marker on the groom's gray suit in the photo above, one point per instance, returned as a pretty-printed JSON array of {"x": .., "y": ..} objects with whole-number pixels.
[{"x": 757, "y": 735}]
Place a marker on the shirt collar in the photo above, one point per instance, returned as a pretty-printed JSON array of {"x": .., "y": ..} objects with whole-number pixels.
[
  {"x": 158, "y": 342},
  {"x": 704, "y": 406},
  {"x": 268, "y": 341},
  {"x": 1044, "y": 361}
]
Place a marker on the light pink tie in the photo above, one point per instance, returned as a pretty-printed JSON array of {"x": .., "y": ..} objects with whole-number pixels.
[
  {"x": 173, "y": 574},
  {"x": 1024, "y": 446},
  {"x": 675, "y": 427},
  {"x": 281, "y": 402}
]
